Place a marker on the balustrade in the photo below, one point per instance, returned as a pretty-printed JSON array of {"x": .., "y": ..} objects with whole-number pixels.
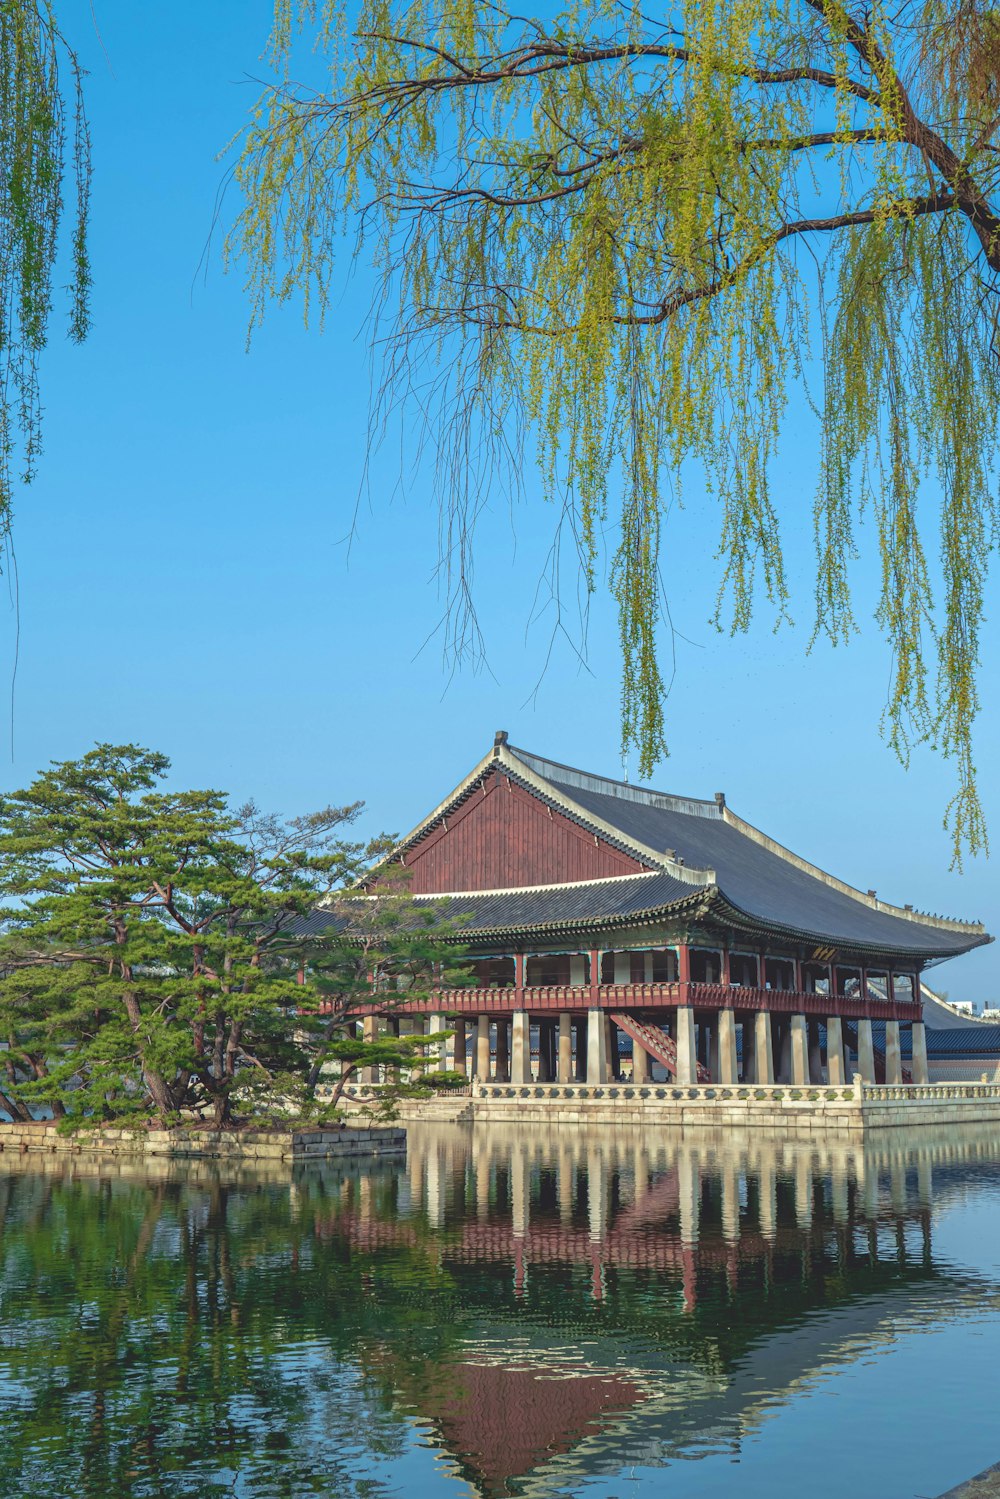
[{"x": 556, "y": 998}]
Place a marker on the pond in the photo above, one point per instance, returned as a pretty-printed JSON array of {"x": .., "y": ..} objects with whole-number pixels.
[{"x": 616, "y": 1314}]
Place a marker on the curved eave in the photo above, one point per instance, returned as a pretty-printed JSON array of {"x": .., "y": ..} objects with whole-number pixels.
[
  {"x": 726, "y": 911},
  {"x": 696, "y": 904}
]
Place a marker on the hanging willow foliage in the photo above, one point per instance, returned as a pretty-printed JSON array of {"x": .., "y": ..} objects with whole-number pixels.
[
  {"x": 625, "y": 235},
  {"x": 39, "y": 130}
]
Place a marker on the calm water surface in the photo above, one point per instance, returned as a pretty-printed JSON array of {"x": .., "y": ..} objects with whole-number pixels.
[{"x": 610, "y": 1315}]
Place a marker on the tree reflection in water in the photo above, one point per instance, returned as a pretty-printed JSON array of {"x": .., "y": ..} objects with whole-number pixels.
[{"x": 536, "y": 1311}]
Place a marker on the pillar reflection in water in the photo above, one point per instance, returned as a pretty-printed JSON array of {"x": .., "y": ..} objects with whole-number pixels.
[{"x": 684, "y": 1209}]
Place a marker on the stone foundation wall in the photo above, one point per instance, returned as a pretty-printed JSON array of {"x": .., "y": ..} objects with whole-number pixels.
[
  {"x": 794, "y": 1112},
  {"x": 230, "y": 1145}
]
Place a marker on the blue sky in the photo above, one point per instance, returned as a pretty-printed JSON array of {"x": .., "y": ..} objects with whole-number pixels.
[{"x": 185, "y": 579}]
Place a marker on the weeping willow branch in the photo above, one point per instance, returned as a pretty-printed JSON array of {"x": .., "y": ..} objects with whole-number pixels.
[
  {"x": 43, "y": 129},
  {"x": 623, "y": 238}
]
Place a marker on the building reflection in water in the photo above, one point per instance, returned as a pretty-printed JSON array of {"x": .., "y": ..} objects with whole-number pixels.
[
  {"x": 531, "y": 1314},
  {"x": 625, "y": 1302}
]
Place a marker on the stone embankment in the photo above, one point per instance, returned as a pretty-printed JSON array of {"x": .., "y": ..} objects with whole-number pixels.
[
  {"x": 797, "y": 1112},
  {"x": 205, "y": 1144}
]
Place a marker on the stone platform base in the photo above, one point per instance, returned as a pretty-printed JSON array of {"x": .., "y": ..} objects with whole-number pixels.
[
  {"x": 230, "y": 1145},
  {"x": 795, "y": 1112}
]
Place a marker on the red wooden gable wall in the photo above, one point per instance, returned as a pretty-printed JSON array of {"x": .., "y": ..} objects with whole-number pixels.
[{"x": 503, "y": 837}]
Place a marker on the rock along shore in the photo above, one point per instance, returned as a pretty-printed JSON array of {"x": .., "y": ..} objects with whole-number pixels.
[{"x": 202, "y": 1144}]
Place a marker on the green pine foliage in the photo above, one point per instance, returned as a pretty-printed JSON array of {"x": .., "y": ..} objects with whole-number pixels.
[
  {"x": 149, "y": 967},
  {"x": 624, "y": 236}
]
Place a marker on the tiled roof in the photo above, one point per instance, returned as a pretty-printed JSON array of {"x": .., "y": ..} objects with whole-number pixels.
[
  {"x": 765, "y": 882},
  {"x": 546, "y": 906}
]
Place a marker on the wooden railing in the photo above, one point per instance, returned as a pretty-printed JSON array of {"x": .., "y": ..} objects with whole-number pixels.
[{"x": 548, "y": 999}]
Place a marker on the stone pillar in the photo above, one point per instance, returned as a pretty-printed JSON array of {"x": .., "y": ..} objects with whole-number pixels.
[
  {"x": 640, "y": 1063},
  {"x": 836, "y": 1073},
  {"x": 369, "y": 1031},
  {"x": 893, "y": 1055},
  {"x": 544, "y": 1070},
  {"x": 918, "y": 1065},
  {"x": 459, "y": 1059},
  {"x": 711, "y": 1058},
  {"x": 687, "y": 1066},
  {"x": 784, "y": 1071},
  {"x": 611, "y": 1049},
  {"x": 763, "y": 1050},
  {"x": 419, "y": 1065},
  {"x": 580, "y": 1027},
  {"x": 749, "y": 1058},
  {"x": 503, "y": 1051},
  {"x": 727, "y": 1047},
  {"x": 483, "y": 1048},
  {"x": 436, "y": 1056},
  {"x": 565, "y": 1048},
  {"x": 597, "y": 1056},
  {"x": 866, "y": 1052},
  {"x": 815, "y": 1052},
  {"x": 800, "y": 1052},
  {"x": 520, "y": 1065}
]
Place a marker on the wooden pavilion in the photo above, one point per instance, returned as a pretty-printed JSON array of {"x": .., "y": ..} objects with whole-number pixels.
[{"x": 593, "y": 907}]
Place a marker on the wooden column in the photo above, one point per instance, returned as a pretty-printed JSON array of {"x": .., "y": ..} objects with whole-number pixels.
[{"x": 683, "y": 969}]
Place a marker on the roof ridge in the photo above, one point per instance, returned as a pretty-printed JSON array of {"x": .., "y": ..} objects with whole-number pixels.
[{"x": 590, "y": 781}]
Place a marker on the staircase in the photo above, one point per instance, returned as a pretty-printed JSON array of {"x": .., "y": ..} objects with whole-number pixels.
[{"x": 661, "y": 1047}]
